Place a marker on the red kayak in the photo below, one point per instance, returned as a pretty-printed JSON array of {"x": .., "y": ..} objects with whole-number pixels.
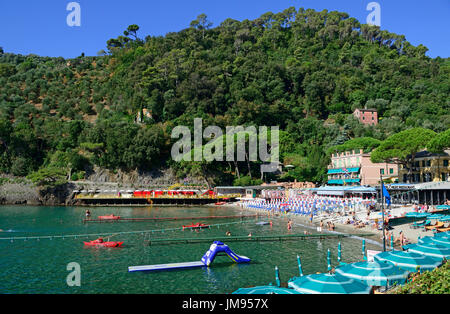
[
  {"x": 198, "y": 225},
  {"x": 220, "y": 203},
  {"x": 109, "y": 217},
  {"x": 99, "y": 242}
]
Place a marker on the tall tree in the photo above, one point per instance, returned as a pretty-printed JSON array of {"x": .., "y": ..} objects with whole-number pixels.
[{"x": 401, "y": 148}]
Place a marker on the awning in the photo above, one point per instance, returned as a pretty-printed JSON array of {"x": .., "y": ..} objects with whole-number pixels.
[
  {"x": 341, "y": 170},
  {"x": 340, "y": 181}
]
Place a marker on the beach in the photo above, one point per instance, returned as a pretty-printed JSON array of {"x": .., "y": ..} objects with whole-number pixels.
[{"x": 412, "y": 235}]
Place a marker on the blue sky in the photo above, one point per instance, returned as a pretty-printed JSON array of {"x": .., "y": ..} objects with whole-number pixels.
[{"x": 40, "y": 27}]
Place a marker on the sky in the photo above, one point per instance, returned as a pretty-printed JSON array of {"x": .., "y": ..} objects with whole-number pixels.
[{"x": 40, "y": 27}]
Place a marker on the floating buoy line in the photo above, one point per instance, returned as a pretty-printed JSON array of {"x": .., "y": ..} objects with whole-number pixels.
[{"x": 142, "y": 232}]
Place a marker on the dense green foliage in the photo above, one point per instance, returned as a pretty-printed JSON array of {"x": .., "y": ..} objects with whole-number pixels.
[
  {"x": 431, "y": 282},
  {"x": 304, "y": 71},
  {"x": 367, "y": 144},
  {"x": 440, "y": 142}
]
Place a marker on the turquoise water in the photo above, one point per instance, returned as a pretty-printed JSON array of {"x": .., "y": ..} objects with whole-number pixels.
[{"x": 40, "y": 266}]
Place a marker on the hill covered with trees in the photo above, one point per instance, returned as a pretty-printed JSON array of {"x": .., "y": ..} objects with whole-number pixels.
[{"x": 304, "y": 71}]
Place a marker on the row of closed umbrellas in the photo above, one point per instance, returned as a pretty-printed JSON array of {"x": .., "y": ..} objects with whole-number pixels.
[{"x": 387, "y": 269}]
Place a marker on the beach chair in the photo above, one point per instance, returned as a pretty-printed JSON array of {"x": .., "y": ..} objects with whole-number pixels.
[
  {"x": 444, "y": 228},
  {"x": 418, "y": 224},
  {"x": 436, "y": 225}
]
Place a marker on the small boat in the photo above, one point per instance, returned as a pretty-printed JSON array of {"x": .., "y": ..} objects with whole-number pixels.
[
  {"x": 220, "y": 203},
  {"x": 99, "y": 242},
  {"x": 109, "y": 217},
  {"x": 198, "y": 225}
]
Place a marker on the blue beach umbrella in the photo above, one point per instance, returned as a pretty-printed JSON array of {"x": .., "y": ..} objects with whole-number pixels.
[
  {"x": 374, "y": 273},
  {"x": 435, "y": 216},
  {"x": 444, "y": 241},
  {"x": 328, "y": 284},
  {"x": 445, "y": 235},
  {"x": 430, "y": 249},
  {"x": 408, "y": 261},
  {"x": 265, "y": 290}
]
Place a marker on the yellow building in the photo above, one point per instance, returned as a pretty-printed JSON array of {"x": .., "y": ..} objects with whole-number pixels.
[{"x": 427, "y": 167}]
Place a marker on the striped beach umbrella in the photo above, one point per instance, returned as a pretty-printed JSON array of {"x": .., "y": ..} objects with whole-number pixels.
[
  {"x": 429, "y": 249},
  {"x": 445, "y": 235},
  {"x": 408, "y": 260},
  {"x": 265, "y": 290},
  {"x": 444, "y": 241},
  {"x": 435, "y": 216},
  {"x": 328, "y": 284},
  {"x": 374, "y": 273}
]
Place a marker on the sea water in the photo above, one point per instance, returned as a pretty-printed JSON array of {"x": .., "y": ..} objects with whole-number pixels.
[{"x": 40, "y": 265}]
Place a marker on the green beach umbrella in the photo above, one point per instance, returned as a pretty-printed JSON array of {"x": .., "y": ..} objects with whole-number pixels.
[
  {"x": 328, "y": 284},
  {"x": 429, "y": 249},
  {"x": 265, "y": 290},
  {"x": 374, "y": 273},
  {"x": 408, "y": 260}
]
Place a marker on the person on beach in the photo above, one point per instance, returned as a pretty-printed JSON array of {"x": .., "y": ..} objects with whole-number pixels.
[
  {"x": 289, "y": 225},
  {"x": 311, "y": 217},
  {"x": 387, "y": 235},
  {"x": 401, "y": 239},
  {"x": 320, "y": 226}
]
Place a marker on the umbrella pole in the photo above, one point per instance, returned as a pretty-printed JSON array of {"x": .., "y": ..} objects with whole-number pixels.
[
  {"x": 299, "y": 266},
  {"x": 277, "y": 276},
  {"x": 328, "y": 260},
  {"x": 364, "y": 250},
  {"x": 382, "y": 212},
  {"x": 339, "y": 252}
]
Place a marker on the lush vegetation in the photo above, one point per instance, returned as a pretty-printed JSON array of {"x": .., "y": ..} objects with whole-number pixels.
[
  {"x": 430, "y": 282},
  {"x": 304, "y": 71}
]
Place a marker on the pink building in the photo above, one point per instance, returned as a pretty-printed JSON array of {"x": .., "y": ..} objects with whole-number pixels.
[
  {"x": 366, "y": 116},
  {"x": 355, "y": 168}
]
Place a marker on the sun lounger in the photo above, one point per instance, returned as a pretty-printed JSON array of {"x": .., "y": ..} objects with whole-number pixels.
[
  {"x": 416, "y": 224},
  {"x": 435, "y": 226},
  {"x": 444, "y": 228}
]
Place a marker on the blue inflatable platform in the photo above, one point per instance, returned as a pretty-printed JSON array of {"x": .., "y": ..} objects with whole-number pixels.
[{"x": 215, "y": 249}]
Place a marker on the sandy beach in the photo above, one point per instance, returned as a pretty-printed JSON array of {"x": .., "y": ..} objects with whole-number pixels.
[{"x": 412, "y": 235}]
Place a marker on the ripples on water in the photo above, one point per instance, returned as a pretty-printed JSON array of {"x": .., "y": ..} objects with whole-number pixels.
[{"x": 39, "y": 266}]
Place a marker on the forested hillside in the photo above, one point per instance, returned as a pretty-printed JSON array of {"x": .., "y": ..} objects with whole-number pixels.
[{"x": 304, "y": 71}]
